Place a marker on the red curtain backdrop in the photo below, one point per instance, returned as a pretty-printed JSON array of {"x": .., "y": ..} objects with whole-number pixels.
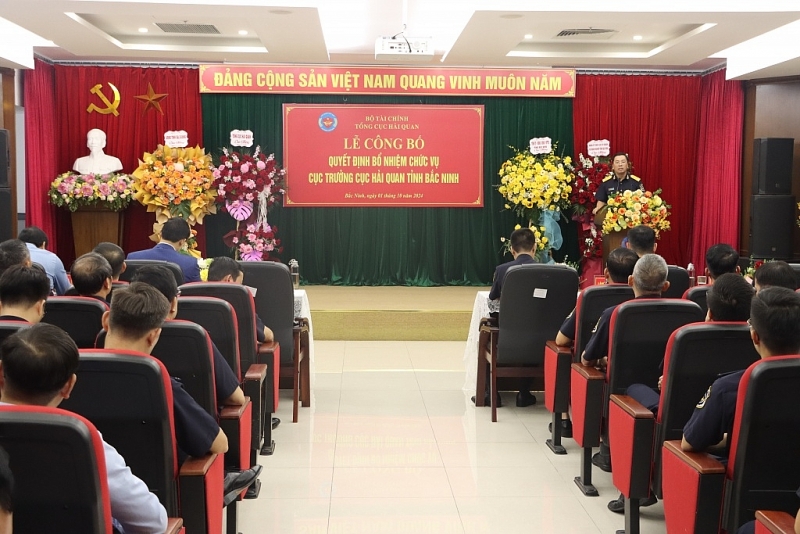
[
  {"x": 655, "y": 119},
  {"x": 135, "y": 130},
  {"x": 41, "y": 152},
  {"x": 719, "y": 165}
]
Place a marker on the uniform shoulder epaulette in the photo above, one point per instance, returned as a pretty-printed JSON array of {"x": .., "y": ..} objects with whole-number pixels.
[
  {"x": 608, "y": 176},
  {"x": 634, "y": 177}
]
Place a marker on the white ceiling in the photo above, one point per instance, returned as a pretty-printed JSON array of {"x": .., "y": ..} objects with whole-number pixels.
[{"x": 677, "y": 36}]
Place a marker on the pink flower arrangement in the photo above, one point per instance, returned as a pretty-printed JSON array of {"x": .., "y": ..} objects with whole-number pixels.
[
  {"x": 72, "y": 191},
  {"x": 254, "y": 242},
  {"x": 240, "y": 178}
]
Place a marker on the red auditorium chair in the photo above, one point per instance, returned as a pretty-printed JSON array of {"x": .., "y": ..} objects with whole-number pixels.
[
  {"x": 697, "y": 294},
  {"x": 534, "y": 302},
  {"x": 703, "y": 495},
  {"x": 774, "y": 522},
  {"x": 80, "y": 317},
  {"x": 696, "y": 355},
  {"x": 240, "y": 298},
  {"x": 133, "y": 265},
  {"x": 557, "y": 360},
  {"x": 8, "y": 328},
  {"x": 638, "y": 334},
  {"x": 59, "y": 468},
  {"x": 128, "y": 397},
  {"x": 275, "y": 305},
  {"x": 679, "y": 282}
]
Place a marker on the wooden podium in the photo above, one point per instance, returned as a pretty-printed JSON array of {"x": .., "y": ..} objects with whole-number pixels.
[{"x": 611, "y": 240}]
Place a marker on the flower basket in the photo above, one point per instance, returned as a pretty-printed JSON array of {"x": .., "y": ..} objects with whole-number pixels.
[{"x": 632, "y": 208}]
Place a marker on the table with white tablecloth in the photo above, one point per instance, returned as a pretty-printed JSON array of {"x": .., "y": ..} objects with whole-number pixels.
[
  {"x": 302, "y": 308},
  {"x": 480, "y": 309}
]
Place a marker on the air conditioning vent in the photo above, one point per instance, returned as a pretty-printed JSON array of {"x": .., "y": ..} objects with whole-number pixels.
[
  {"x": 586, "y": 33},
  {"x": 206, "y": 29}
]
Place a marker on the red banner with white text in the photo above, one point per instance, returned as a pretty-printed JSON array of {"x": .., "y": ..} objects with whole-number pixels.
[
  {"x": 371, "y": 155},
  {"x": 367, "y": 80}
]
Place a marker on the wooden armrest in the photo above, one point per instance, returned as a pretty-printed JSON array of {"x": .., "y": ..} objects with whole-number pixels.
[
  {"x": 234, "y": 411},
  {"x": 589, "y": 373},
  {"x": 631, "y": 406},
  {"x": 558, "y": 349},
  {"x": 699, "y": 461},
  {"x": 256, "y": 372},
  {"x": 488, "y": 328},
  {"x": 197, "y": 467},
  {"x": 174, "y": 525},
  {"x": 775, "y": 521},
  {"x": 300, "y": 323},
  {"x": 489, "y": 321},
  {"x": 268, "y": 347}
]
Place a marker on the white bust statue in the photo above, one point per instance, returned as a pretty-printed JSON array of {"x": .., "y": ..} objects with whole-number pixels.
[{"x": 97, "y": 162}]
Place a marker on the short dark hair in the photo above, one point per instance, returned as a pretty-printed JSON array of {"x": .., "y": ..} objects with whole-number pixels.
[
  {"x": 775, "y": 273},
  {"x": 222, "y": 267},
  {"x": 137, "y": 309},
  {"x": 642, "y": 239},
  {"x": 22, "y": 285},
  {"x": 620, "y": 154},
  {"x": 774, "y": 315},
  {"x": 38, "y": 362},
  {"x": 160, "y": 277},
  {"x": 729, "y": 298},
  {"x": 113, "y": 254},
  {"x": 175, "y": 229},
  {"x": 523, "y": 240},
  {"x": 89, "y": 273},
  {"x": 33, "y": 235},
  {"x": 13, "y": 252},
  {"x": 620, "y": 264},
  {"x": 720, "y": 259}
]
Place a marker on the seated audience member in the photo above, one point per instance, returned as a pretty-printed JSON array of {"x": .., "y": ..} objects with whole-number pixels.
[
  {"x": 23, "y": 292},
  {"x": 134, "y": 323},
  {"x": 775, "y": 274},
  {"x": 91, "y": 276},
  {"x": 774, "y": 316},
  {"x": 619, "y": 268},
  {"x": 226, "y": 384},
  {"x": 729, "y": 299},
  {"x": 720, "y": 259},
  {"x": 224, "y": 269},
  {"x": 115, "y": 257},
  {"x": 13, "y": 252},
  {"x": 174, "y": 235},
  {"x": 36, "y": 241},
  {"x": 38, "y": 369},
  {"x": 523, "y": 249},
  {"x": 642, "y": 240}
]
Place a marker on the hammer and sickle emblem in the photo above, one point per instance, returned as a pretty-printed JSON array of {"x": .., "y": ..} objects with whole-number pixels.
[{"x": 111, "y": 107}]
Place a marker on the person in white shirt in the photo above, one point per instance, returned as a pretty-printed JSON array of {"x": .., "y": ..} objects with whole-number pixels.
[
  {"x": 36, "y": 241},
  {"x": 38, "y": 368}
]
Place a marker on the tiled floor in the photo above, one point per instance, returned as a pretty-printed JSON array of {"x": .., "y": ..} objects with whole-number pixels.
[{"x": 392, "y": 444}]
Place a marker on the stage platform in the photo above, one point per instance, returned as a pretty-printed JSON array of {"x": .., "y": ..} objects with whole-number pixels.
[{"x": 391, "y": 313}]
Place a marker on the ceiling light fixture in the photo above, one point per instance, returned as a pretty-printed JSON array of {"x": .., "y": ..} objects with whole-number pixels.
[
  {"x": 143, "y": 30},
  {"x": 528, "y": 36},
  {"x": 637, "y": 37},
  {"x": 242, "y": 32}
]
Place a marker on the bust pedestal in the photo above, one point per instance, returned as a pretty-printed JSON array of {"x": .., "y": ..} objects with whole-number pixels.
[{"x": 94, "y": 224}]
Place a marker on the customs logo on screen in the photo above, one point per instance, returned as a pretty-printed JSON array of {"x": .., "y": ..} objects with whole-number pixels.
[{"x": 328, "y": 122}]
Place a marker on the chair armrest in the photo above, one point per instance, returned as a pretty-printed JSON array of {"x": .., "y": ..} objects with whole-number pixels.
[
  {"x": 237, "y": 423},
  {"x": 692, "y": 485},
  {"x": 174, "y": 525},
  {"x": 267, "y": 348},
  {"x": 631, "y": 428},
  {"x": 774, "y": 522},
  {"x": 586, "y": 396},
  {"x": 489, "y": 321},
  {"x": 200, "y": 486},
  {"x": 557, "y": 361},
  {"x": 490, "y": 328},
  {"x": 234, "y": 411},
  {"x": 256, "y": 372}
]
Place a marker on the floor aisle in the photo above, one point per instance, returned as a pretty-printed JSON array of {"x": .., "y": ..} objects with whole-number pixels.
[{"x": 391, "y": 444}]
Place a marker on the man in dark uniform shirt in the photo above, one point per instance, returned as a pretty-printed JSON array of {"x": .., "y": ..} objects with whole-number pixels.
[
  {"x": 774, "y": 316},
  {"x": 620, "y": 179}
]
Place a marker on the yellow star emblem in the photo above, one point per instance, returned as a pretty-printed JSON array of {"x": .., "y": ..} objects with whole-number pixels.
[{"x": 151, "y": 99}]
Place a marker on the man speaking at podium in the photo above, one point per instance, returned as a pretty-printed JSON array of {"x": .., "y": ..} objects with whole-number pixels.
[{"x": 617, "y": 181}]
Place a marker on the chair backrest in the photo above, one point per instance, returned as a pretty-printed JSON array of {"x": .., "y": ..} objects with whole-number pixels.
[
  {"x": 696, "y": 355},
  {"x": 638, "y": 335},
  {"x": 242, "y": 301},
  {"x": 218, "y": 318},
  {"x": 796, "y": 268},
  {"x": 678, "y": 278},
  {"x": 592, "y": 302},
  {"x": 60, "y": 482},
  {"x": 133, "y": 266},
  {"x": 8, "y": 328},
  {"x": 533, "y": 303},
  {"x": 128, "y": 397},
  {"x": 764, "y": 467},
  {"x": 274, "y": 300},
  {"x": 80, "y": 317},
  {"x": 697, "y": 294},
  {"x": 185, "y": 350}
]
